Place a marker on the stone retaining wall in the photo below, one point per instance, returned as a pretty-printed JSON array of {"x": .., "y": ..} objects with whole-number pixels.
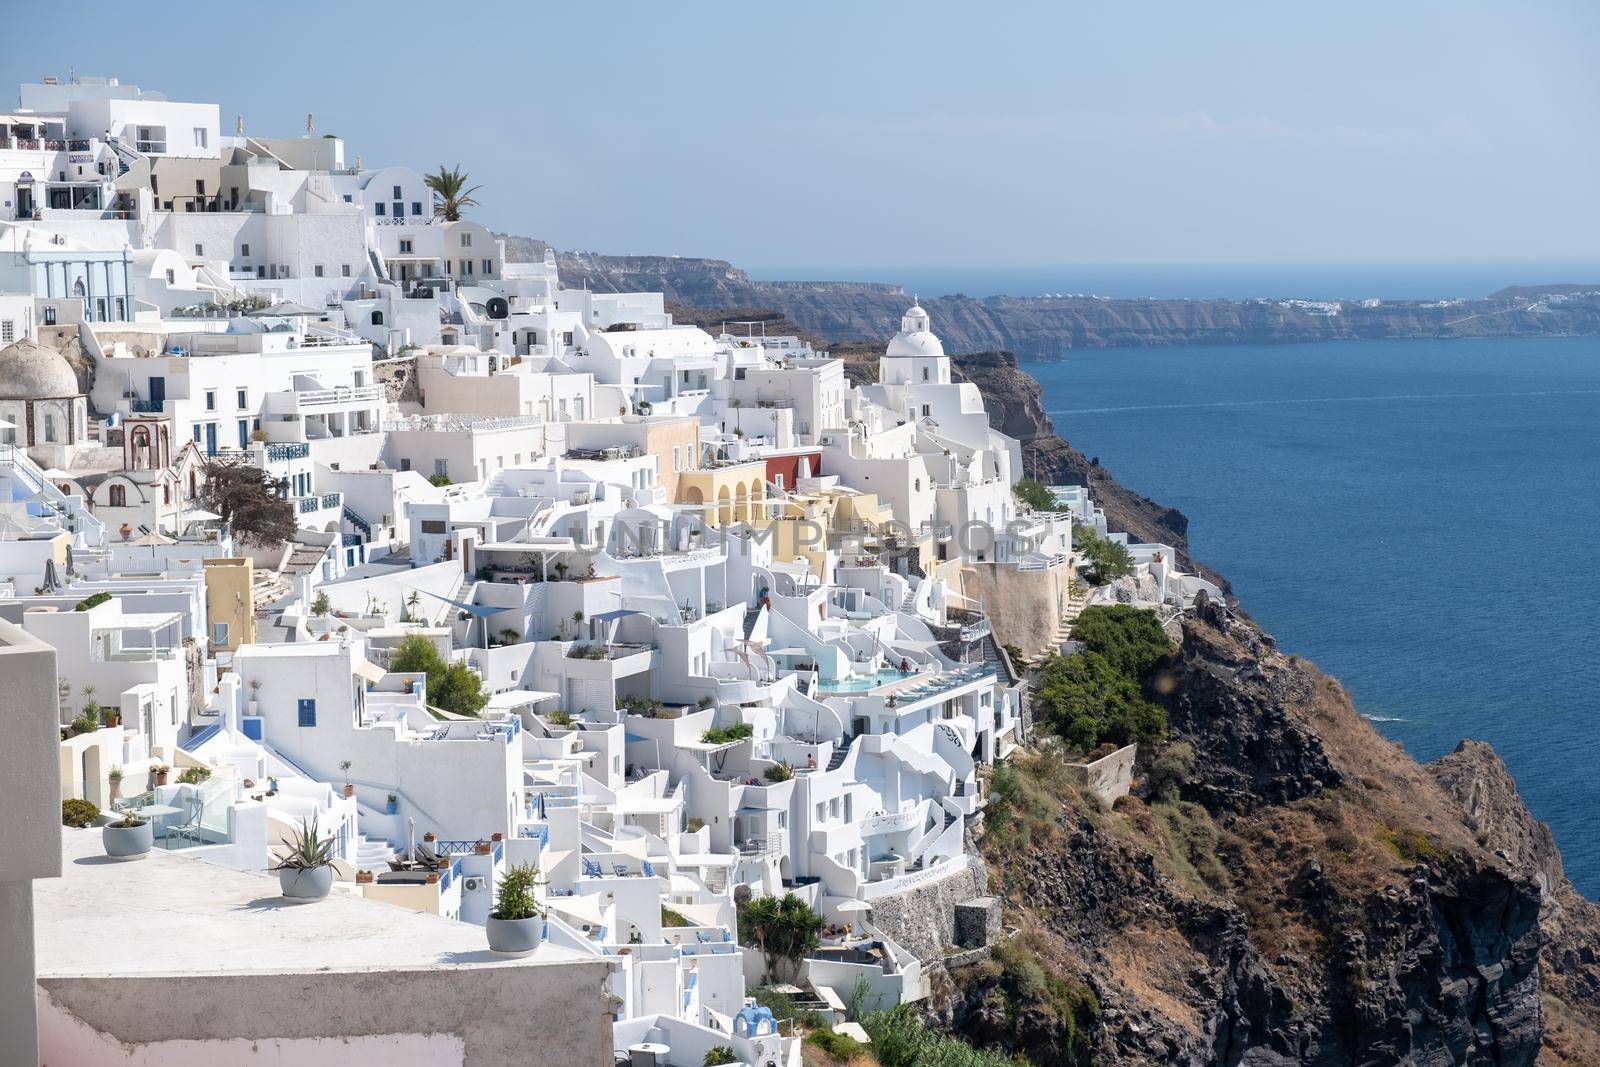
[{"x": 923, "y": 919}]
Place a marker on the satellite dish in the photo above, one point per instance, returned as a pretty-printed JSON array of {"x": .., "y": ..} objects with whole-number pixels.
[{"x": 497, "y": 308}]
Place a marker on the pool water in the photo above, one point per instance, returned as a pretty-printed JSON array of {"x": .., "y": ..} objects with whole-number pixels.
[{"x": 861, "y": 685}]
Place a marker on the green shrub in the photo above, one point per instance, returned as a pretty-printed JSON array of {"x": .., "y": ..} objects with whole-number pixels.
[
  {"x": 514, "y": 897},
  {"x": 194, "y": 775},
  {"x": 439, "y": 480},
  {"x": 836, "y": 1046},
  {"x": 778, "y": 772},
  {"x": 670, "y": 918},
  {"x": 722, "y": 735},
  {"x": 454, "y": 687},
  {"x": 92, "y": 601},
  {"x": 84, "y": 724},
  {"x": 1131, "y": 639},
  {"x": 560, "y": 718},
  {"x": 718, "y": 1054},
  {"x": 901, "y": 1039},
  {"x": 1035, "y": 494},
  {"x": 1023, "y": 801},
  {"x": 1088, "y": 701},
  {"x": 1191, "y": 839},
  {"x": 79, "y": 813},
  {"x": 1408, "y": 845},
  {"x": 1171, "y": 770}
]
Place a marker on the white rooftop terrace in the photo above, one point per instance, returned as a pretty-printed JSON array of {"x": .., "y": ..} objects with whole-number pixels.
[{"x": 119, "y": 946}]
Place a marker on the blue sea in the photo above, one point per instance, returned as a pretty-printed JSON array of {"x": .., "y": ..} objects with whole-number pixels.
[{"x": 1420, "y": 518}]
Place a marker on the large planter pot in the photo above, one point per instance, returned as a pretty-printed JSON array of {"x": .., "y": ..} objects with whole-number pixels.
[
  {"x": 311, "y": 884},
  {"x": 514, "y": 937},
  {"x": 127, "y": 842}
]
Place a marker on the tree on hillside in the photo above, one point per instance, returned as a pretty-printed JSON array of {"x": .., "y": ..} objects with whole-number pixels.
[
  {"x": 1105, "y": 560},
  {"x": 1035, "y": 494},
  {"x": 450, "y": 192},
  {"x": 1131, "y": 638},
  {"x": 455, "y": 687},
  {"x": 781, "y": 928},
  {"x": 1088, "y": 701},
  {"x": 249, "y": 500}
]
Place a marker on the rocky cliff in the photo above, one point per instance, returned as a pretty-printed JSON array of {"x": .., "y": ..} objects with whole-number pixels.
[
  {"x": 1298, "y": 891},
  {"x": 1046, "y": 327}
]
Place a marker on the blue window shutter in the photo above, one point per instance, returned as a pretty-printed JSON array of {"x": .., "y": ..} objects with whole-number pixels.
[{"x": 308, "y": 712}]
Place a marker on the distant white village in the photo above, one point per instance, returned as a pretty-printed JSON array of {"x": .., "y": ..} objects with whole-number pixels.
[{"x": 343, "y": 561}]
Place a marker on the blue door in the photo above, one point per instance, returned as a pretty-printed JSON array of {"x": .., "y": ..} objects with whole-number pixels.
[
  {"x": 158, "y": 393},
  {"x": 244, "y": 433},
  {"x": 211, "y": 438}
]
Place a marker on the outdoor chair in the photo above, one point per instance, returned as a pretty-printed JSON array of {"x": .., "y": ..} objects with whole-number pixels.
[{"x": 194, "y": 806}]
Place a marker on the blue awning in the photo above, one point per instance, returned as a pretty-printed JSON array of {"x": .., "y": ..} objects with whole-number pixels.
[
  {"x": 634, "y": 739},
  {"x": 471, "y": 609},
  {"x": 619, "y": 613}
]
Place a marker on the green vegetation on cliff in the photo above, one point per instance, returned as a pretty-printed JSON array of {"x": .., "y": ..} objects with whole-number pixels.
[{"x": 1097, "y": 696}]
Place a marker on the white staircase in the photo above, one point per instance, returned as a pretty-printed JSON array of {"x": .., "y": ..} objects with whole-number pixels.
[{"x": 371, "y": 854}]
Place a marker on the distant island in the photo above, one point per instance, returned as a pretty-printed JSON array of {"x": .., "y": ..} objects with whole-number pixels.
[{"x": 1047, "y": 327}]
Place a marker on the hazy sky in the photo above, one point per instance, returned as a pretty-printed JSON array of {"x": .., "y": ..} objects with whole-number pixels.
[{"x": 928, "y": 133}]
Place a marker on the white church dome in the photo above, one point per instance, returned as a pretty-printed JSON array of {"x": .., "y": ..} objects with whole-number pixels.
[
  {"x": 915, "y": 338},
  {"x": 30, "y": 371}
]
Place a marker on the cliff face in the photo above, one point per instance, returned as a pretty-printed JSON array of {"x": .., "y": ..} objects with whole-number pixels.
[
  {"x": 1045, "y": 327},
  {"x": 1309, "y": 895}
]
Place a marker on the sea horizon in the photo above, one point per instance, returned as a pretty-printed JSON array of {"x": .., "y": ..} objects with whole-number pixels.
[{"x": 1442, "y": 280}]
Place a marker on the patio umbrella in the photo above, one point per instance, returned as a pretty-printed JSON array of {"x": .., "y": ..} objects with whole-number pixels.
[
  {"x": 52, "y": 580},
  {"x": 153, "y": 538}
]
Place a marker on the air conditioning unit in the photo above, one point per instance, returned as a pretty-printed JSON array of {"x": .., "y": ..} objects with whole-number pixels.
[{"x": 474, "y": 884}]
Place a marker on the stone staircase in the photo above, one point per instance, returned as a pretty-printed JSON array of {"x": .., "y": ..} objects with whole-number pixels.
[
  {"x": 268, "y": 588},
  {"x": 1064, "y": 625},
  {"x": 750, "y": 617}
]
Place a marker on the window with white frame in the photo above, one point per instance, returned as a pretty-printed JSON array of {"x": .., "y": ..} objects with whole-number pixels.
[
  {"x": 466, "y": 239},
  {"x": 200, "y": 137},
  {"x": 8, "y": 331}
]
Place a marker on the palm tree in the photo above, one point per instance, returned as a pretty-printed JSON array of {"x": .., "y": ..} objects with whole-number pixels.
[{"x": 450, "y": 192}]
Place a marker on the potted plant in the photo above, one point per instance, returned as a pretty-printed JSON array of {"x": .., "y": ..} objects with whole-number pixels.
[
  {"x": 193, "y": 775},
  {"x": 349, "y": 790},
  {"x": 306, "y": 870},
  {"x": 161, "y": 771},
  {"x": 411, "y": 684},
  {"x": 392, "y": 805},
  {"x": 115, "y": 776},
  {"x": 429, "y": 837},
  {"x": 515, "y": 926},
  {"x": 254, "y": 704},
  {"x": 129, "y": 838}
]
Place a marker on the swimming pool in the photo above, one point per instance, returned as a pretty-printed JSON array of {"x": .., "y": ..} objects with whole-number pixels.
[{"x": 861, "y": 685}]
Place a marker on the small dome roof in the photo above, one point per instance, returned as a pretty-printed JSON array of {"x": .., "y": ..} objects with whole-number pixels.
[
  {"x": 30, "y": 371},
  {"x": 915, "y": 338}
]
